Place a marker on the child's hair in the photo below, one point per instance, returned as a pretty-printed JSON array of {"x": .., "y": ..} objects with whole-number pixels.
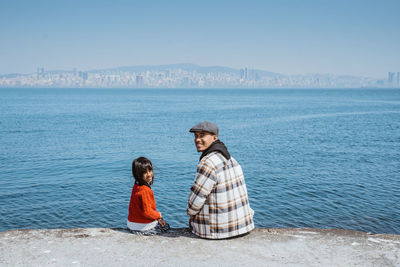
[{"x": 140, "y": 166}]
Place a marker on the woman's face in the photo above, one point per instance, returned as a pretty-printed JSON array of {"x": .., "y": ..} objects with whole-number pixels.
[{"x": 148, "y": 177}]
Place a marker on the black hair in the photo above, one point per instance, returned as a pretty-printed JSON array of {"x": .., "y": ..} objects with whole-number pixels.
[{"x": 140, "y": 166}]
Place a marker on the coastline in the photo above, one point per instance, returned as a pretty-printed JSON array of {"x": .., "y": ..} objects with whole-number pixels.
[{"x": 275, "y": 247}]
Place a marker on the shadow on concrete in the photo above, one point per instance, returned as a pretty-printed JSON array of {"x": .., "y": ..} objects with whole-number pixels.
[{"x": 172, "y": 233}]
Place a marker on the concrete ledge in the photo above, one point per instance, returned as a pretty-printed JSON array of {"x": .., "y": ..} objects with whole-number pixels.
[{"x": 272, "y": 247}]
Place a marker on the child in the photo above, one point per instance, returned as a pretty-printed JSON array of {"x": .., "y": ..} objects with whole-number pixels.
[{"x": 143, "y": 216}]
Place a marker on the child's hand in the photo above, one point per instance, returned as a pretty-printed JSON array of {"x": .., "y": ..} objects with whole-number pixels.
[{"x": 161, "y": 222}]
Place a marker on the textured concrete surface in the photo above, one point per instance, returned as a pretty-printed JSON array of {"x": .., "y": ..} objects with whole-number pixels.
[{"x": 262, "y": 247}]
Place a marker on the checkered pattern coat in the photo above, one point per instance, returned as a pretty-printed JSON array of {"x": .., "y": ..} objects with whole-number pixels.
[{"x": 218, "y": 199}]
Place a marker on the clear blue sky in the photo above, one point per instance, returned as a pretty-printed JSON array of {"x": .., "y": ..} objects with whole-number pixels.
[{"x": 359, "y": 37}]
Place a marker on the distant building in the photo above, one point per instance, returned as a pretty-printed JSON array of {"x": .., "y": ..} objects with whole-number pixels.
[
  {"x": 398, "y": 79},
  {"x": 245, "y": 73},
  {"x": 83, "y": 75},
  {"x": 251, "y": 75},
  {"x": 39, "y": 72},
  {"x": 241, "y": 73},
  {"x": 139, "y": 81},
  {"x": 186, "y": 81},
  {"x": 390, "y": 78}
]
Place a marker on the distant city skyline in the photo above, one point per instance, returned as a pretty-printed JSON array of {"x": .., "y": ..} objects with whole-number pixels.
[
  {"x": 188, "y": 76},
  {"x": 242, "y": 70},
  {"x": 289, "y": 37}
]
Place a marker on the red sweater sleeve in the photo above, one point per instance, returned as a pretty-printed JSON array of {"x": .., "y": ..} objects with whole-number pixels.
[{"x": 149, "y": 205}]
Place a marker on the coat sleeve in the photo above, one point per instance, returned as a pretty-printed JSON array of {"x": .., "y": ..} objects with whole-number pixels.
[
  {"x": 204, "y": 183},
  {"x": 148, "y": 205}
]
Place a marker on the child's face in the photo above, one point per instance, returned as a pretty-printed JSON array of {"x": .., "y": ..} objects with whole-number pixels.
[{"x": 148, "y": 177}]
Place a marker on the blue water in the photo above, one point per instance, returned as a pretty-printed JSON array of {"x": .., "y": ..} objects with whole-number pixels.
[{"x": 311, "y": 158}]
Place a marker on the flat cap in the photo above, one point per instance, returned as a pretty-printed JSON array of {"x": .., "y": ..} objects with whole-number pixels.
[{"x": 205, "y": 126}]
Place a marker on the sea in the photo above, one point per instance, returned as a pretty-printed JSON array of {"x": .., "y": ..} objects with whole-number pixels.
[{"x": 312, "y": 158}]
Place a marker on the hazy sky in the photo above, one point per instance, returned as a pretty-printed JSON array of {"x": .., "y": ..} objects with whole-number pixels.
[{"x": 358, "y": 37}]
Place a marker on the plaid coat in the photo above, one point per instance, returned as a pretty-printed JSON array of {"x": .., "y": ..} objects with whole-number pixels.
[{"x": 218, "y": 199}]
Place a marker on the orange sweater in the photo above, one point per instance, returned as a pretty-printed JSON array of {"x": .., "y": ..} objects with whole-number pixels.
[{"x": 142, "y": 207}]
